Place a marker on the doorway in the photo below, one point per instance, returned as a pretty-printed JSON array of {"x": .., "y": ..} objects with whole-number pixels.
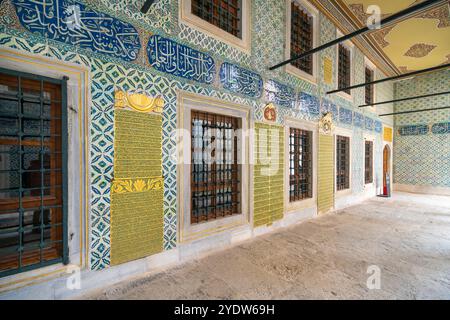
[{"x": 386, "y": 171}]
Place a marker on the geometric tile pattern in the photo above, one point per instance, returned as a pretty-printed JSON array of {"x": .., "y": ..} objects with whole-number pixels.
[{"x": 422, "y": 148}]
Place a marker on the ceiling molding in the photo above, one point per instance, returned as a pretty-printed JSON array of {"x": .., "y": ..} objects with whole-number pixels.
[
  {"x": 363, "y": 43},
  {"x": 371, "y": 44}
]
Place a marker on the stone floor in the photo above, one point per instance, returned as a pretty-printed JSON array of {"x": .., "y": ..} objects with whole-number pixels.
[{"x": 407, "y": 237}]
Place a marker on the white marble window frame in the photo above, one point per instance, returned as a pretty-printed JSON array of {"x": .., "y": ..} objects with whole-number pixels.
[{"x": 244, "y": 43}]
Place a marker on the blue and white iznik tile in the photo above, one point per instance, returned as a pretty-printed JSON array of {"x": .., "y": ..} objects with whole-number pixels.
[
  {"x": 240, "y": 80},
  {"x": 328, "y": 106},
  {"x": 71, "y": 22},
  {"x": 345, "y": 116},
  {"x": 309, "y": 104},
  {"x": 168, "y": 56},
  {"x": 279, "y": 94}
]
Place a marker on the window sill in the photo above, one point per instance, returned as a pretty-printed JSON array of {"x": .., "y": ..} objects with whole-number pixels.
[
  {"x": 292, "y": 207},
  {"x": 197, "y": 23},
  {"x": 203, "y": 230},
  {"x": 345, "y": 96},
  {"x": 23, "y": 279},
  {"x": 343, "y": 193},
  {"x": 301, "y": 74}
]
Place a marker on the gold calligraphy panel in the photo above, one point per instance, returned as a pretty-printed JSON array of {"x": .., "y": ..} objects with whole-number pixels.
[
  {"x": 137, "y": 188},
  {"x": 268, "y": 174},
  {"x": 325, "y": 176},
  {"x": 388, "y": 134},
  {"x": 327, "y": 70}
]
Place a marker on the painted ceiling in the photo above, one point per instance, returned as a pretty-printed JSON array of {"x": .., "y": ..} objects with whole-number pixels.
[{"x": 419, "y": 42}]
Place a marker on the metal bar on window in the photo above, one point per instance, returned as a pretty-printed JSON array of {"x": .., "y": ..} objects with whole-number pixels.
[
  {"x": 300, "y": 164},
  {"x": 224, "y": 14},
  {"x": 369, "y": 87},
  {"x": 301, "y": 37},
  {"x": 342, "y": 163},
  {"x": 33, "y": 215},
  {"x": 215, "y": 172}
]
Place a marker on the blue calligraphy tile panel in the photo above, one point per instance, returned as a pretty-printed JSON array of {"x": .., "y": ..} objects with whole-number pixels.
[
  {"x": 413, "y": 130},
  {"x": 358, "y": 120},
  {"x": 368, "y": 123},
  {"x": 328, "y": 106},
  {"x": 240, "y": 80},
  {"x": 441, "y": 128},
  {"x": 309, "y": 104},
  {"x": 378, "y": 126},
  {"x": 279, "y": 94},
  {"x": 345, "y": 116},
  {"x": 71, "y": 22},
  {"x": 168, "y": 56}
]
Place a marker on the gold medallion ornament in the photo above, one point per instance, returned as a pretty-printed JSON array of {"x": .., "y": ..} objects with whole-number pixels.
[
  {"x": 270, "y": 113},
  {"x": 120, "y": 186},
  {"x": 138, "y": 102},
  {"x": 326, "y": 124}
]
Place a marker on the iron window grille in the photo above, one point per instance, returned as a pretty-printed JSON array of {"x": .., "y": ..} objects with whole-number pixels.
[
  {"x": 344, "y": 68},
  {"x": 342, "y": 163},
  {"x": 224, "y": 14},
  {"x": 300, "y": 164},
  {"x": 33, "y": 172},
  {"x": 302, "y": 34},
  {"x": 215, "y": 172},
  {"x": 369, "y": 88},
  {"x": 368, "y": 156}
]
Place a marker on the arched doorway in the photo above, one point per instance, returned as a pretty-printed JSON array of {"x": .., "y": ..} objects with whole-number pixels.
[{"x": 387, "y": 171}]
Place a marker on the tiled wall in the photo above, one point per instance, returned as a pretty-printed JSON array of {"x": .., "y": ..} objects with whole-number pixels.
[
  {"x": 132, "y": 63},
  {"x": 422, "y": 140}
]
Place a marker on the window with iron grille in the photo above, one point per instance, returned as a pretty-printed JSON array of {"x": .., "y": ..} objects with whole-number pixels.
[
  {"x": 224, "y": 14},
  {"x": 368, "y": 156},
  {"x": 302, "y": 36},
  {"x": 32, "y": 172},
  {"x": 344, "y": 68},
  {"x": 215, "y": 172},
  {"x": 300, "y": 164},
  {"x": 369, "y": 88},
  {"x": 342, "y": 163}
]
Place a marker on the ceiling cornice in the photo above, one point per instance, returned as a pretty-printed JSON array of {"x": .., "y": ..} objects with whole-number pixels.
[
  {"x": 336, "y": 12},
  {"x": 346, "y": 21}
]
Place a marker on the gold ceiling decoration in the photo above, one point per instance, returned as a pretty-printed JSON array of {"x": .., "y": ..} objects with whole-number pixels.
[
  {"x": 420, "y": 50},
  {"x": 416, "y": 43}
]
